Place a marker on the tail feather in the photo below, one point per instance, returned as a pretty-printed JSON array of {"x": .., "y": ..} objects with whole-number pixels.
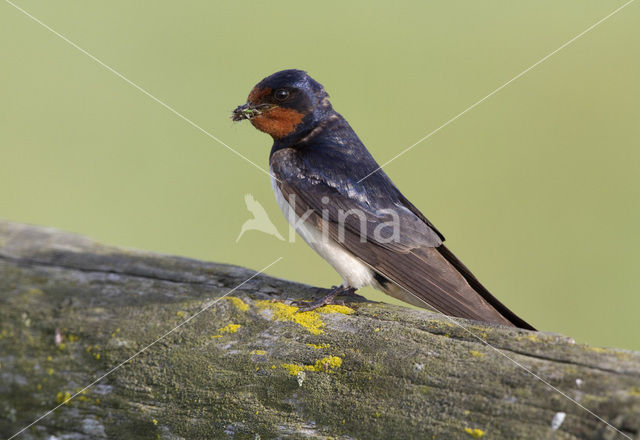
[{"x": 482, "y": 291}]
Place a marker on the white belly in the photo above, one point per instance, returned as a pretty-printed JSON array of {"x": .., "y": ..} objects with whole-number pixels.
[{"x": 354, "y": 272}]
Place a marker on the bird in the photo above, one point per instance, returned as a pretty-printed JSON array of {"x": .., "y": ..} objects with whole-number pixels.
[
  {"x": 338, "y": 199},
  {"x": 259, "y": 222}
]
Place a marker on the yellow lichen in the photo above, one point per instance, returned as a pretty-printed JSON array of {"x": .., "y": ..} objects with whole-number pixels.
[
  {"x": 72, "y": 338},
  {"x": 571, "y": 370},
  {"x": 319, "y": 347},
  {"x": 335, "y": 308},
  {"x": 179, "y": 313},
  {"x": 49, "y": 371},
  {"x": 598, "y": 349},
  {"x": 49, "y": 358},
  {"x": 215, "y": 336},
  {"x": 229, "y": 328},
  {"x": 259, "y": 352},
  {"x": 325, "y": 364},
  {"x": 377, "y": 329},
  {"x": 63, "y": 397},
  {"x": 155, "y": 422},
  {"x": 476, "y": 354},
  {"x": 532, "y": 338},
  {"x": 282, "y": 312},
  {"x": 238, "y": 303},
  {"x": 635, "y": 391},
  {"x": 474, "y": 432},
  {"x": 39, "y": 387},
  {"x": 293, "y": 369}
]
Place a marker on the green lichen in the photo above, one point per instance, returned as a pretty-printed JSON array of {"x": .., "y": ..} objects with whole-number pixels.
[
  {"x": 532, "y": 337},
  {"x": 35, "y": 292}
]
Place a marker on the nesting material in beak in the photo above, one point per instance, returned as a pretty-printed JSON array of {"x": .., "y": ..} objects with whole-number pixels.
[{"x": 249, "y": 111}]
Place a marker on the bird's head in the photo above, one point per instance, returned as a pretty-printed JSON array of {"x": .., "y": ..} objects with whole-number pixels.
[{"x": 285, "y": 104}]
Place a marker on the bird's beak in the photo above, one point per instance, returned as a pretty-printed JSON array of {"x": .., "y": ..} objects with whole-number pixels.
[{"x": 249, "y": 111}]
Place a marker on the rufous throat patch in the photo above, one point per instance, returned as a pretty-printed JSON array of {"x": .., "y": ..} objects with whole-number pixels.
[{"x": 278, "y": 122}]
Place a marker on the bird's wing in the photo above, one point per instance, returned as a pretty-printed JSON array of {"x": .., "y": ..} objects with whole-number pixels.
[{"x": 413, "y": 259}]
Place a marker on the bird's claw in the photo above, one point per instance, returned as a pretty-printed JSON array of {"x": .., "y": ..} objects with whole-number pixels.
[
  {"x": 305, "y": 306},
  {"x": 328, "y": 299}
]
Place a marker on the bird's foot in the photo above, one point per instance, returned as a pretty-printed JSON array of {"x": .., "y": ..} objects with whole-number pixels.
[{"x": 330, "y": 298}]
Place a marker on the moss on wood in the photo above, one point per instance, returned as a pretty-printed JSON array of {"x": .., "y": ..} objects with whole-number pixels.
[{"x": 251, "y": 367}]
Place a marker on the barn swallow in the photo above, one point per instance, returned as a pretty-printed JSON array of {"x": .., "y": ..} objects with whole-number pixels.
[{"x": 332, "y": 191}]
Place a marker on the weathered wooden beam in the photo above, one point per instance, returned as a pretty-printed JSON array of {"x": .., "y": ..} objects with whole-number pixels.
[{"x": 251, "y": 367}]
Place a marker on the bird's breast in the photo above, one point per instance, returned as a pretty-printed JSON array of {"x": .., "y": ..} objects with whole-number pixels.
[{"x": 353, "y": 271}]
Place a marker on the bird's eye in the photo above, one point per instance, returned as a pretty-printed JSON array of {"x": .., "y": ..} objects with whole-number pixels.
[{"x": 281, "y": 94}]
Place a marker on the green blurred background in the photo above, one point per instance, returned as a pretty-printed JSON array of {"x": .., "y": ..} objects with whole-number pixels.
[{"x": 536, "y": 189}]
